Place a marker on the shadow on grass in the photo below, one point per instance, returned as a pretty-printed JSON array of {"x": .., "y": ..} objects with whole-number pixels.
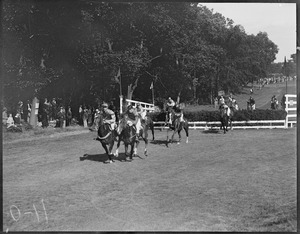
[
  {"x": 216, "y": 131},
  {"x": 104, "y": 158},
  {"x": 159, "y": 142}
]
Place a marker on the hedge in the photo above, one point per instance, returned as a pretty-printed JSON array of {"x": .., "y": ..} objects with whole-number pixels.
[{"x": 241, "y": 115}]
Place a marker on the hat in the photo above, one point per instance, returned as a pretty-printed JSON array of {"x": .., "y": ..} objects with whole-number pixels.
[
  {"x": 104, "y": 104},
  {"x": 129, "y": 107}
]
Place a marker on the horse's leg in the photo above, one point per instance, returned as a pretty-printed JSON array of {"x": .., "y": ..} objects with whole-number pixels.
[
  {"x": 107, "y": 152},
  {"x": 167, "y": 143},
  {"x": 118, "y": 145},
  {"x": 186, "y": 129},
  {"x": 131, "y": 150},
  {"x": 145, "y": 138},
  {"x": 135, "y": 146},
  {"x": 179, "y": 135},
  {"x": 152, "y": 130},
  {"x": 126, "y": 149},
  {"x": 173, "y": 136},
  {"x": 111, "y": 145}
]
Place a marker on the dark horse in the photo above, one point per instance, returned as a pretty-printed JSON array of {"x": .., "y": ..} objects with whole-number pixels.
[
  {"x": 224, "y": 118},
  {"x": 106, "y": 136},
  {"x": 128, "y": 135},
  {"x": 148, "y": 122},
  {"x": 177, "y": 126}
]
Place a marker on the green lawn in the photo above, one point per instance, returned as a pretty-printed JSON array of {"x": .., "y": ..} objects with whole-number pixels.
[{"x": 262, "y": 96}]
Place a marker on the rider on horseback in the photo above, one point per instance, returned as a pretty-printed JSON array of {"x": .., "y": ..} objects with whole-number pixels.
[
  {"x": 170, "y": 106},
  {"x": 133, "y": 118},
  {"x": 223, "y": 105},
  {"x": 140, "y": 111},
  {"x": 178, "y": 112},
  {"x": 109, "y": 116}
]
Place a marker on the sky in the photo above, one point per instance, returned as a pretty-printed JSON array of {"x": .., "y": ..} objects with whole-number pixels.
[{"x": 278, "y": 20}]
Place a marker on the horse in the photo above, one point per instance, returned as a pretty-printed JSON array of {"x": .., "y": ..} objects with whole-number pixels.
[
  {"x": 177, "y": 126},
  {"x": 149, "y": 124},
  {"x": 106, "y": 136},
  {"x": 146, "y": 124},
  {"x": 224, "y": 118},
  {"x": 128, "y": 135}
]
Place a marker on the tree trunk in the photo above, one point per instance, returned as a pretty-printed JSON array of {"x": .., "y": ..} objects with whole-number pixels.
[{"x": 131, "y": 89}]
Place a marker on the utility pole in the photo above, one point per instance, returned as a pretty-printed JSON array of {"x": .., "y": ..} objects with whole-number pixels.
[{"x": 285, "y": 73}]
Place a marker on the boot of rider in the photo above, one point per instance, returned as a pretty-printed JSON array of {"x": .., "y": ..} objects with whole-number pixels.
[
  {"x": 138, "y": 127},
  {"x": 228, "y": 111},
  {"x": 170, "y": 118},
  {"x": 181, "y": 118}
]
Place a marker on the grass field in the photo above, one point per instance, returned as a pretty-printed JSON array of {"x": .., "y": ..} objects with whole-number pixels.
[
  {"x": 242, "y": 181},
  {"x": 262, "y": 96}
]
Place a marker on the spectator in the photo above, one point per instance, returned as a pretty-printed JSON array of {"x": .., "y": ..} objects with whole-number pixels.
[
  {"x": 53, "y": 109},
  {"x": 61, "y": 115},
  {"x": 85, "y": 117},
  {"x": 69, "y": 116},
  {"x": 10, "y": 121},
  {"x": 20, "y": 109},
  {"x": 27, "y": 111},
  {"x": 18, "y": 118},
  {"x": 80, "y": 111},
  {"x": 45, "y": 113},
  {"x": 251, "y": 103},
  {"x": 4, "y": 116},
  {"x": 273, "y": 102},
  {"x": 90, "y": 118}
]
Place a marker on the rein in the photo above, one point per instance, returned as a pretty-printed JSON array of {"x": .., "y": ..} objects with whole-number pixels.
[{"x": 102, "y": 138}]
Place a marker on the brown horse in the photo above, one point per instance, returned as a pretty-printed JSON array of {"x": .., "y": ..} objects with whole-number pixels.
[
  {"x": 106, "y": 137},
  {"x": 128, "y": 135},
  {"x": 224, "y": 118},
  {"x": 177, "y": 126},
  {"x": 149, "y": 124}
]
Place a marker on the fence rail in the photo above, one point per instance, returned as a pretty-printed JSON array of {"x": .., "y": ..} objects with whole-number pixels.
[
  {"x": 290, "y": 101},
  {"x": 253, "y": 124},
  {"x": 146, "y": 106}
]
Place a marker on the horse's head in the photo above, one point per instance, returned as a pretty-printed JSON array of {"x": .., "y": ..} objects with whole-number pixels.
[
  {"x": 103, "y": 128},
  {"x": 122, "y": 124}
]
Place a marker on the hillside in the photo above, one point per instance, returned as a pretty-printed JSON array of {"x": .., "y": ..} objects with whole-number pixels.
[{"x": 262, "y": 96}]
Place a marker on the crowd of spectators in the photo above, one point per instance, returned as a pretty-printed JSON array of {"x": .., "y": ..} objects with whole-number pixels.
[{"x": 53, "y": 113}]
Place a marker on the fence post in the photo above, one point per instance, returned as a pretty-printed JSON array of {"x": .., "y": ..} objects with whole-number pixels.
[{"x": 121, "y": 104}]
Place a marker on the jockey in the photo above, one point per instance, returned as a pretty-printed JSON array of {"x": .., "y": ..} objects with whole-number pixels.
[
  {"x": 222, "y": 101},
  {"x": 252, "y": 102},
  {"x": 223, "y": 105},
  {"x": 133, "y": 118},
  {"x": 109, "y": 116},
  {"x": 234, "y": 104},
  {"x": 178, "y": 111},
  {"x": 170, "y": 106},
  {"x": 140, "y": 111}
]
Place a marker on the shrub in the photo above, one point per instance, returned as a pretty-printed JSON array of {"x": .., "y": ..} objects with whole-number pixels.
[{"x": 211, "y": 116}]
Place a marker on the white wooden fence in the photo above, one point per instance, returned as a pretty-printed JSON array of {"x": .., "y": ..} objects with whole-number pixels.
[
  {"x": 146, "y": 106},
  {"x": 291, "y": 109}
]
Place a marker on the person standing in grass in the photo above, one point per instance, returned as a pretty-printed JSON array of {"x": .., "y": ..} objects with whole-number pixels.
[
  {"x": 61, "y": 117},
  {"x": 69, "y": 116}
]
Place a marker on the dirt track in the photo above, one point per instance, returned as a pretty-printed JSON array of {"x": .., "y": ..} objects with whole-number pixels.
[{"x": 244, "y": 181}]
